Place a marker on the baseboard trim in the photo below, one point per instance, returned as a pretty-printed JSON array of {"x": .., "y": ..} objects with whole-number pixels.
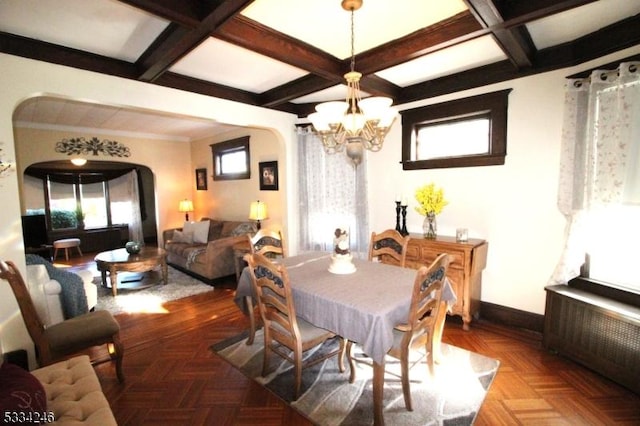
[{"x": 510, "y": 317}]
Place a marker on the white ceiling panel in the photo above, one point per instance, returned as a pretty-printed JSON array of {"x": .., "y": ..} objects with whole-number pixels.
[
  {"x": 334, "y": 93},
  {"x": 112, "y": 29},
  {"x": 575, "y": 23},
  {"x": 327, "y": 26},
  {"x": 72, "y": 115},
  {"x": 474, "y": 53},
  {"x": 104, "y": 27},
  {"x": 224, "y": 63}
]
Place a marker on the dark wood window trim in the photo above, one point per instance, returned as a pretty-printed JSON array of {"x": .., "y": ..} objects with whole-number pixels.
[
  {"x": 227, "y": 147},
  {"x": 493, "y": 105},
  {"x": 606, "y": 290}
]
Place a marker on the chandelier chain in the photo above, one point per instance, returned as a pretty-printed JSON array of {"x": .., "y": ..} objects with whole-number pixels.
[{"x": 353, "y": 50}]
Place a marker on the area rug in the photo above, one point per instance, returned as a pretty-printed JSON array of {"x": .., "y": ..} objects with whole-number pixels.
[
  {"x": 149, "y": 299},
  {"x": 452, "y": 397}
]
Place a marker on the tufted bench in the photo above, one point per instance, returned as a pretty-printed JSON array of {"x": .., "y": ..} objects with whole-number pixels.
[
  {"x": 74, "y": 394},
  {"x": 66, "y": 244}
]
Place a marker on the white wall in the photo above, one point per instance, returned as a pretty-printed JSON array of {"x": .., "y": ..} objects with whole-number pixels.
[
  {"x": 23, "y": 78},
  {"x": 512, "y": 206},
  {"x": 172, "y": 158},
  {"x": 231, "y": 199}
]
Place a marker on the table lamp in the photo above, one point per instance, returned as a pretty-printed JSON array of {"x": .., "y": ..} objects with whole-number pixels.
[
  {"x": 258, "y": 212},
  {"x": 185, "y": 207}
]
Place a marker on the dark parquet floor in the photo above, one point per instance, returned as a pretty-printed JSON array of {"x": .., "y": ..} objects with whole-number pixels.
[{"x": 174, "y": 379}]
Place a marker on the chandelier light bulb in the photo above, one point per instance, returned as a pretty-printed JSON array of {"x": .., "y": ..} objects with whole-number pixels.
[{"x": 353, "y": 123}]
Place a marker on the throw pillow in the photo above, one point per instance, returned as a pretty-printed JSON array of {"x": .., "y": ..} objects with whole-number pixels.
[
  {"x": 182, "y": 237},
  {"x": 243, "y": 229},
  {"x": 20, "y": 391},
  {"x": 200, "y": 231}
]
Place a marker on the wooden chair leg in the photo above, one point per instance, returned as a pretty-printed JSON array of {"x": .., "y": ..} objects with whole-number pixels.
[
  {"x": 341, "y": 355},
  {"x": 267, "y": 354},
  {"x": 116, "y": 352},
  {"x": 352, "y": 364},
  {"x": 406, "y": 389},
  {"x": 298, "y": 373},
  {"x": 248, "y": 301}
]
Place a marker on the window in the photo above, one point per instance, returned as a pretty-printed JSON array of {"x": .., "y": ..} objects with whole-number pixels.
[
  {"x": 94, "y": 204},
  {"x": 231, "y": 159},
  {"x": 64, "y": 199},
  {"x": 461, "y": 133},
  {"x": 611, "y": 246}
]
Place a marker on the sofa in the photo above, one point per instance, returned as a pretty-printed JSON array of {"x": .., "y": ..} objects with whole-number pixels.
[
  {"x": 64, "y": 393},
  {"x": 205, "y": 249},
  {"x": 46, "y": 293}
]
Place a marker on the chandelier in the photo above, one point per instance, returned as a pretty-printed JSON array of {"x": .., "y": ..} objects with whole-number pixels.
[{"x": 355, "y": 124}]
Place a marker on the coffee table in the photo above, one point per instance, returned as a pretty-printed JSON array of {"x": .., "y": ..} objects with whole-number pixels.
[{"x": 119, "y": 260}]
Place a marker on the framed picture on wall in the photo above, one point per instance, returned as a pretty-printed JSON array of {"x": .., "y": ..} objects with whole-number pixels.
[
  {"x": 201, "y": 179},
  {"x": 268, "y": 175}
]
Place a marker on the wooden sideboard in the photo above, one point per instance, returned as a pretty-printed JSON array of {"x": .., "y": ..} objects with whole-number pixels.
[{"x": 468, "y": 260}]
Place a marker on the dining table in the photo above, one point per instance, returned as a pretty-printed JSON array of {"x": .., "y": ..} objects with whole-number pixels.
[{"x": 363, "y": 306}]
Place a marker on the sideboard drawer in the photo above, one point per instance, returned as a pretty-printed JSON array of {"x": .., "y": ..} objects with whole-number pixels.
[
  {"x": 468, "y": 259},
  {"x": 429, "y": 254}
]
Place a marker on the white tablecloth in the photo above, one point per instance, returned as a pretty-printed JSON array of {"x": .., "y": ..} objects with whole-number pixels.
[{"x": 363, "y": 306}]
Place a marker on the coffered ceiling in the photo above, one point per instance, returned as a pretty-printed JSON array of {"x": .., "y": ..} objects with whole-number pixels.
[{"x": 289, "y": 55}]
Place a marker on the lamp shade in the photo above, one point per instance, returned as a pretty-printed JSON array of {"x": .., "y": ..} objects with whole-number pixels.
[
  {"x": 258, "y": 211},
  {"x": 185, "y": 206}
]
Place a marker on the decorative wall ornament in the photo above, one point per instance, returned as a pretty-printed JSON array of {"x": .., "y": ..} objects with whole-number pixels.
[{"x": 94, "y": 146}]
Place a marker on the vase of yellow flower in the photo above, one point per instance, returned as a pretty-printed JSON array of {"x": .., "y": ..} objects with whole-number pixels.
[{"x": 430, "y": 203}]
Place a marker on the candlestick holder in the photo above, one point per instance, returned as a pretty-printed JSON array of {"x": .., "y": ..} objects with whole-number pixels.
[
  {"x": 398, "y": 217},
  {"x": 404, "y": 221}
]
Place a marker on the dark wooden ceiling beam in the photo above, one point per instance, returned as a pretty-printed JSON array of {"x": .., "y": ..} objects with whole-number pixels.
[
  {"x": 259, "y": 38},
  {"x": 519, "y": 12},
  {"x": 515, "y": 42},
  {"x": 195, "y": 85},
  {"x": 304, "y": 85},
  {"x": 179, "y": 42},
  {"x": 457, "y": 29},
  {"x": 610, "y": 39},
  {"x": 188, "y": 13},
  {"x": 56, "y": 54},
  {"x": 378, "y": 86}
]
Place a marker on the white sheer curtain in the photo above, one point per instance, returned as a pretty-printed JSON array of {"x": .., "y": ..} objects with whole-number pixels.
[
  {"x": 599, "y": 185},
  {"x": 125, "y": 204},
  {"x": 333, "y": 193}
]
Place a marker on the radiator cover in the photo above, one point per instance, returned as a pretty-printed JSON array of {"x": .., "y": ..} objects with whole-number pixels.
[{"x": 600, "y": 333}]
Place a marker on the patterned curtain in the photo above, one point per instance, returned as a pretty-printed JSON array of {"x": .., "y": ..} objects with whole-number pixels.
[
  {"x": 125, "y": 204},
  {"x": 600, "y": 158},
  {"x": 333, "y": 194}
]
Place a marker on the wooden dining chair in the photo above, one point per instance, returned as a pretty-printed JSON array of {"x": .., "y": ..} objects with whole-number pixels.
[
  {"x": 423, "y": 329},
  {"x": 389, "y": 243},
  {"x": 270, "y": 244},
  {"x": 68, "y": 337},
  {"x": 283, "y": 331}
]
